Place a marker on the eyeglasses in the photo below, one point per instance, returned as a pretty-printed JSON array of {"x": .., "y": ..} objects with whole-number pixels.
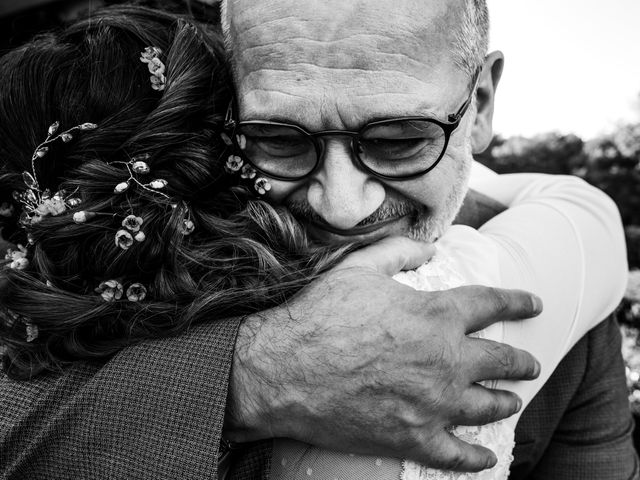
[{"x": 392, "y": 149}]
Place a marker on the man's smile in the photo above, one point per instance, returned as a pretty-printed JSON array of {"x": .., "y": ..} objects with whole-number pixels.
[{"x": 325, "y": 233}]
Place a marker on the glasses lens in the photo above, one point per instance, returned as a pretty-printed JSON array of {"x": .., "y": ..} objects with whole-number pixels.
[
  {"x": 401, "y": 147},
  {"x": 278, "y": 150}
]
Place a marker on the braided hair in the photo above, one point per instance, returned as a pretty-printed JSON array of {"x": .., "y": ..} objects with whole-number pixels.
[{"x": 243, "y": 255}]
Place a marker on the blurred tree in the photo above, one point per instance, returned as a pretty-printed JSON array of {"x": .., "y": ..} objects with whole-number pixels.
[{"x": 610, "y": 162}]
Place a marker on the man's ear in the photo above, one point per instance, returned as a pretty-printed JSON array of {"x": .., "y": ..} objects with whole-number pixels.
[{"x": 482, "y": 131}]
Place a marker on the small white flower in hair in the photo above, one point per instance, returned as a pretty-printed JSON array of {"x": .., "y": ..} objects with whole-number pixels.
[
  {"x": 158, "y": 183},
  {"x": 132, "y": 223},
  {"x": 140, "y": 237},
  {"x": 110, "y": 290},
  {"x": 156, "y": 67},
  {"x": 149, "y": 54},
  {"x": 123, "y": 239},
  {"x": 19, "y": 260},
  {"x": 248, "y": 172},
  {"x": 6, "y": 210},
  {"x": 83, "y": 216},
  {"x": 32, "y": 332},
  {"x": 136, "y": 292},
  {"x": 187, "y": 227},
  {"x": 121, "y": 187},
  {"x": 233, "y": 164},
  {"x": 157, "y": 83},
  {"x": 262, "y": 185},
  {"x": 53, "y": 128},
  {"x": 140, "y": 167}
]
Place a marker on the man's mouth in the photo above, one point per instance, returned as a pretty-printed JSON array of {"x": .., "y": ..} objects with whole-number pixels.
[
  {"x": 393, "y": 218},
  {"x": 325, "y": 233}
]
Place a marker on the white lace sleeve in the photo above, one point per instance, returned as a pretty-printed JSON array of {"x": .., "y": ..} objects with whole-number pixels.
[{"x": 458, "y": 263}]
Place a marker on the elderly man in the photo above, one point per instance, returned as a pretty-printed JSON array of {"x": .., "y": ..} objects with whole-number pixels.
[
  {"x": 369, "y": 65},
  {"x": 328, "y": 93}
]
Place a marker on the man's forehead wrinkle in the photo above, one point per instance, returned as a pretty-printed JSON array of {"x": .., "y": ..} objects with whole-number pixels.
[
  {"x": 287, "y": 57},
  {"x": 344, "y": 26}
]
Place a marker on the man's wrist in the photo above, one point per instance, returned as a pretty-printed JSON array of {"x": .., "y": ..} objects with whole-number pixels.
[{"x": 255, "y": 394}]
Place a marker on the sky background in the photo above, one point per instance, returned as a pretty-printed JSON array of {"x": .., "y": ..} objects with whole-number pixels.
[{"x": 571, "y": 66}]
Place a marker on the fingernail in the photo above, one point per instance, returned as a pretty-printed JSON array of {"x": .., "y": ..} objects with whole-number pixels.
[
  {"x": 537, "y": 369},
  {"x": 537, "y": 304},
  {"x": 491, "y": 461},
  {"x": 518, "y": 404}
]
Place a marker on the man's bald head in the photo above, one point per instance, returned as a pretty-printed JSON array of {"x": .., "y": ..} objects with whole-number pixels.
[{"x": 469, "y": 35}]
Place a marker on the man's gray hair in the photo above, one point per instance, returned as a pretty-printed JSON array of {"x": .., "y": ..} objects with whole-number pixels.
[
  {"x": 471, "y": 42},
  {"x": 472, "y": 38}
]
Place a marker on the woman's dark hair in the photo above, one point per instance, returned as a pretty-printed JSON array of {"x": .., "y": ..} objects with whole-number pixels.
[{"x": 244, "y": 255}]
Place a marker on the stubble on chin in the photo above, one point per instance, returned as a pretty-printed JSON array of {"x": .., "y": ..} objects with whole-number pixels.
[{"x": 430, "y": 225}]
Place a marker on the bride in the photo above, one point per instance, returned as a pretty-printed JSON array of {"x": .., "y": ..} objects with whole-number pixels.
[{"x": 134, "y": 216}]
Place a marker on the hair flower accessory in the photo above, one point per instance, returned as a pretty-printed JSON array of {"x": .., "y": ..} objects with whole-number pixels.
[
  {"x": 140, "y": 167},
  {"x": 140, "y": 237},
  {"x": 110, "y": 290},
  {"x": 136, "y": 292},
  {"x": 19, "y": 260},
  {"x": 156, "y": 67},
  {"x": 124, "y": 239},
  {"x": 31, "y": 331},
  {"x": 6, "y": 209},
  {"x": 132, "y": 223},
  {"x": 234, "y": 164},
  {"x": 158, "y": 183},
  {"x": 248, "y": 172},
  {"x": 38, "y": 203},
  {"x": 262, "y": 185},
  {"x": 83, "y": 216},
  {"x": 187, "y": 227}
]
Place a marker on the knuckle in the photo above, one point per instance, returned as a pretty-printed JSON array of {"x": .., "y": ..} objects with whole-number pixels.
[
  {"x": 493, "y": 410},
  {"x": 456, "y": 461},
  {"x": 500, "y": 300}
]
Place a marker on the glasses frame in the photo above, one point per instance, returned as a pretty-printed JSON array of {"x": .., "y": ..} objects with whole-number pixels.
[{"x": 231, "y": 124}]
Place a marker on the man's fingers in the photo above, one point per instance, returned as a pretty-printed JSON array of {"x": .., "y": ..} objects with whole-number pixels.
[
  {"x": 479, "y": 307},
  {"x": 499, "y": 361},
  {"x": 450, "y": 453},
  {"x": 480, "y": 405},
  {"x": 391, "y": 255}
]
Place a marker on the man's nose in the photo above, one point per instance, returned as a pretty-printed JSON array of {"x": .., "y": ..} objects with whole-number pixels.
[{"x": 340, "y": 192}]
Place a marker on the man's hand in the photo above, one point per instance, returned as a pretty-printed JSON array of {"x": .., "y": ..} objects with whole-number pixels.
[{"x": 360, "y": 363}]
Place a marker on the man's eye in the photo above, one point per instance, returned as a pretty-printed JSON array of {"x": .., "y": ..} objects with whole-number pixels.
[
  {"x": 393, "y": 146},
  {"x": 278, "y": 145},
  {"x": 395, "y": 142}
]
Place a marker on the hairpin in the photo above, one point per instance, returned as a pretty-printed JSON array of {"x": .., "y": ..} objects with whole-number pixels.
[
  {"x": 36, "y": 202},
  {"x": 156, "y": 67}
]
